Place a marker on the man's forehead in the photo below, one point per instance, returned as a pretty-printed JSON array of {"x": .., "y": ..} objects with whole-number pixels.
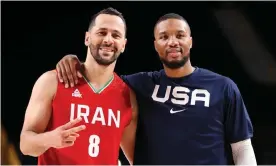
[
  {"x": 108, "y": 28},
  {"x": 171, "y": 25},
  {"x": 109, "y": 22}
]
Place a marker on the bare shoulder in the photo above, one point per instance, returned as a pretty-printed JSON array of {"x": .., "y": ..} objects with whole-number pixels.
[
  {"x": 48, "y": 76},
  {"x": 39, "y": 108},
  {"x": 47, "y": 82}
]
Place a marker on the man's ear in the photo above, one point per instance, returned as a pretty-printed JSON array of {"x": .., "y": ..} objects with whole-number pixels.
[
  {"x": 124, "y": 46},
  {"x": 87, "y": 38},
  {"x": 191, "y": 42}
]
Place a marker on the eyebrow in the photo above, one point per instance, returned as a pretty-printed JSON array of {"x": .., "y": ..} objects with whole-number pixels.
[
  {"x": 179, "y": 31},
  {"x": 114, "y": 30}
]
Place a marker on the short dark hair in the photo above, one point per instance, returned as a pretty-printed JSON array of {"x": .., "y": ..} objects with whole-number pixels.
[
  {"x": 172, "y": 16},
  {"x": 110, "y": 11}
]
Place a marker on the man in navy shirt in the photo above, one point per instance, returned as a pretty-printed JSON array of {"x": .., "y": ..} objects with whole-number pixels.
[{"x": 187, "y": 115}]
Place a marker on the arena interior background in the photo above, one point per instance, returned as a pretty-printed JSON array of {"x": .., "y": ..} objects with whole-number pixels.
[{"x": 236, "y": 39}]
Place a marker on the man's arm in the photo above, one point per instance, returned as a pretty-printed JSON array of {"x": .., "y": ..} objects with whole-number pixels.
[
  {"x": 129, "y": 135},
  {"x": 239, "y": 129},
  {"x": 243, "y": 153},
  {"x": 33, "y": 141}
]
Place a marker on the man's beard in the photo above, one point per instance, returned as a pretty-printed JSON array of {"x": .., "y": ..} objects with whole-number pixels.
[
  {"x": 98, "y": 58},
  {"x": 175, "y": 64}
]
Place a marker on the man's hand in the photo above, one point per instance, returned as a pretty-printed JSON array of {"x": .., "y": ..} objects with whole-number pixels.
[
  {"x": 68, "y": 70},
  {"x": 65, "y": 135}
]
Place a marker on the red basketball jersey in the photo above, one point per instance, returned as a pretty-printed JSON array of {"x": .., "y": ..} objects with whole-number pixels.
[{"x": 105, "y": 115}]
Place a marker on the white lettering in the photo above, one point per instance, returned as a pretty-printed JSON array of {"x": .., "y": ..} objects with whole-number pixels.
[
  {"x": 99, "y": 115},
  {"x": 111, "y": 117},
  {"x": 205, "y": 98},
  {"x": 180, "y": 95},
  {"x": 159, "y": 99},
  {"x": 84, "y": 114}
]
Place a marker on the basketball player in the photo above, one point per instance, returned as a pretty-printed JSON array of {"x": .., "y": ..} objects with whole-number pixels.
[
  {"x": 187, "y": 115},
  {"x": 102, "y": 105}
]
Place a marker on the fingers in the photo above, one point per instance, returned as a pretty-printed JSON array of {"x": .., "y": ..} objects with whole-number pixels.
[
  {"x": 59, "y": 73},
  {"x": 71, "y": 123},
  {"x": 64, "y": 74},
  {"x": 74, "y": 134},
  {"x": 68, "y": 70},
  {"x": 74, "y": 130},
  {"x": 68, "y": 143},
  {"x": 79, "y": 74},
  {"x": 74, "y": 72},
  {"x": 68, "y": 73},
  {"x": 70, "y": 139},
  {"x": 79, "y": 67}
]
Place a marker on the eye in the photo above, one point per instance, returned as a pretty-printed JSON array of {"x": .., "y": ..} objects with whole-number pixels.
[
  {"x": 180, "y": 36},
  {"x": 101, "y": 33},
  {"x": 116, "y": 36},
  {"x": 164, "y": 37}
]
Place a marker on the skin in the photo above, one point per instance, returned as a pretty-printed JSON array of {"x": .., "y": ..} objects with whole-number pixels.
[
  {"x": 172, "y": 42},
  {"x": 106, "y": 44},
  {"x": 105, "y": 41},
  {"x": 170, "y": 35},
  {"x": 34, "y": 141}
]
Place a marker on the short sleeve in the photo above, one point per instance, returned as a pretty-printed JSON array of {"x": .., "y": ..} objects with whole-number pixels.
[
  {"x": 238, "y": 125},
  {"x": 138, "y": 82}
]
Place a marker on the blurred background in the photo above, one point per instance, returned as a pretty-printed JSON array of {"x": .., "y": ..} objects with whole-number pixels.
[{"x": 235, "y": 39}]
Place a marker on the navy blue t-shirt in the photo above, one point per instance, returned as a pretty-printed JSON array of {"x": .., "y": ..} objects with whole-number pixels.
[{"x": 189, "y": 120}]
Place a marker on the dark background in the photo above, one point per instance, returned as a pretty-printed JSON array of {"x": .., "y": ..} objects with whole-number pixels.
[{"x": 36, "y": 35}]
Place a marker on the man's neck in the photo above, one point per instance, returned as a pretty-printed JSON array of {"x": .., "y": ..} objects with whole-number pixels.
[
  {"x": 98, "y": 75},
  {"x": 183, "y": 71}
]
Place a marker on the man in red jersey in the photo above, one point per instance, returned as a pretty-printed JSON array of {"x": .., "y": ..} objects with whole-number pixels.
[{"x": 101, "y": 103}]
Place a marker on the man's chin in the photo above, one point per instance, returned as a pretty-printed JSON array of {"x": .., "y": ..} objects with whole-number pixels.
[
  {"x": 105, "y": 61},
  {"x": 174, "y": 64}
]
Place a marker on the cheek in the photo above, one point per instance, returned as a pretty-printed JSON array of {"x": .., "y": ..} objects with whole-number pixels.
[
  {"x": 119, "y": 45},
  {"x": 96, "y": 40},
  {"x": 160, "y": 48},
  {"x": 93, "y": 47},
  {"x": 186, "y": 44}
]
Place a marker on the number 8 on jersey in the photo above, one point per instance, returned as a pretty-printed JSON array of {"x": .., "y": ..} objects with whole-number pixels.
[{"x": 93, "y": 148}]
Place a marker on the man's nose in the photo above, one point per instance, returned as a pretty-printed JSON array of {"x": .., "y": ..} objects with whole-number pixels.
[{"x": 173, "y": 42}]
